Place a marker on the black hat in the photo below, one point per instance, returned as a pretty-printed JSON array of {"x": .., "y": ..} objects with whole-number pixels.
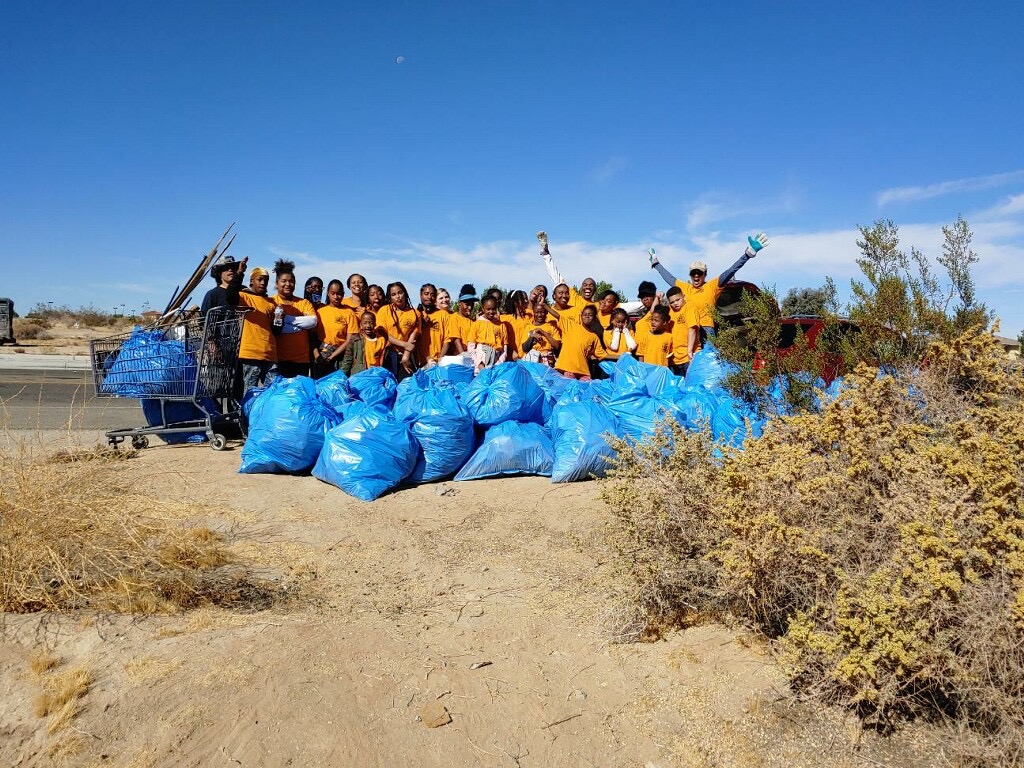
[{"x": 647, "y": 288}]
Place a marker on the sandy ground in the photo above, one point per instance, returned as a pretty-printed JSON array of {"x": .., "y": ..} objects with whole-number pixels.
[
  {"x": 487, "y": 598},
  {"x": 61, "y": 338}
]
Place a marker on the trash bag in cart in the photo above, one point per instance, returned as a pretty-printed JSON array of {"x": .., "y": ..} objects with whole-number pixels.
[{"x": 149, "y": 365}]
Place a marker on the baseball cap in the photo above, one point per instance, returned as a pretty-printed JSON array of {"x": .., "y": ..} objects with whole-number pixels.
[{"x": 701, "y": 265}]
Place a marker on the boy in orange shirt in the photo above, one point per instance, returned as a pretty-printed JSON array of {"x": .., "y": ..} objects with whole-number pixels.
[
  {"x": 460, "y": 322},
  {"x": 366, "y": 349},
  {"x": 657, "y": 345},
  {"x": 580, "y": 345},
  {"x": 685, "y": 330}
]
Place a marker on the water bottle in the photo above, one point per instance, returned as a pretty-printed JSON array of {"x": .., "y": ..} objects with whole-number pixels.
[{"x": 278, "y": 319}]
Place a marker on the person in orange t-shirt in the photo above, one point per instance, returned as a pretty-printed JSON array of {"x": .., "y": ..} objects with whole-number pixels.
[
  {"x": 336, "y": 323},
  {"x": 488, "y": 337},
  {"x": 543, "y": 339},
  {"x": 618, "y": 340},
  {"x": 461, "y": 321},
  {"x": 516, "y": 321},
  {"x": 401, "y": 323},
  {"x": 295, "y": 340},
  {"x": 358, "y": 300},
  {"x": 580, "y": 345},
  {"x": 434, "y": 336},
  {"x": 656, "y": 348}
]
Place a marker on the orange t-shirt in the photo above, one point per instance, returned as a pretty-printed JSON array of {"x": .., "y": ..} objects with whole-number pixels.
[
  {"x": 641, "y": 328},
  {"x": 258, "y": 341},
  {"x": 682, "y": 322},
  {"x": 294, "y": 347},
  {"x": 373, "y": 350},
  {"x": 399, "y": 323},
  {"x": 702, "y": 300},
  {"x": 335, "y": 324},
  {"x": 458, "y": 327},
  {"x": 579, "y": 345},
  {"x": 483, "y": 331},
  {"x": 353, "y": 303},
  {"x": 539, "y": 342},
  {"x": 656, "y": 348},
  {"x": 433, "y": 334}
]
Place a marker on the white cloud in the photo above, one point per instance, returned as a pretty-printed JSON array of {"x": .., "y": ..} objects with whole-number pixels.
[
  {"x": 609, "y": 169},
  {"x": 713, "y": 207},
  {"x": 971, "y": 184}
]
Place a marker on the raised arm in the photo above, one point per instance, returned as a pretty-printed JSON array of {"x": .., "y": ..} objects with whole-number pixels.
[
  {"x": 667, "y": 276},
  {"x": 754, "y": 244},
  {"x": 549, "y": 263}
]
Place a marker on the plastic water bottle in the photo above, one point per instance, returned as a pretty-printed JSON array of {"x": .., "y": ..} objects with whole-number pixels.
[{"x": 278, "y": 318}]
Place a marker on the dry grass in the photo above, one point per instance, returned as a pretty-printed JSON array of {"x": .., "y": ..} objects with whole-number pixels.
[
  {"x": 41, "y": 662},
  {"x": 60, "y": 698},
  {"x": 146, "y": 669},
  {"x": 74, "y": 534}
]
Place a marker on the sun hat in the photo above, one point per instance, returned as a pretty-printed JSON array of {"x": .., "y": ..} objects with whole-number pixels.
[{"x": 224, "y": 262}]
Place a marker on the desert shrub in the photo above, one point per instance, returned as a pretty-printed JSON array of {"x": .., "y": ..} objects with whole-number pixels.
[
  {"x": 876, "y": 540},
  {"x": 879, "y": 542},
  {"x": 74, "y": 534},
  {"x": 31, "y": 329}
]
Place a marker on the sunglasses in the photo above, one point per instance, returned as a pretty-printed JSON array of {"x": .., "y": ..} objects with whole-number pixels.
[{"x": 695, "y": 272}]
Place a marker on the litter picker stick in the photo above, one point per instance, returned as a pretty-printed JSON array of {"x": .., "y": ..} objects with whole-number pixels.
[{"x": 197, "y": 276}]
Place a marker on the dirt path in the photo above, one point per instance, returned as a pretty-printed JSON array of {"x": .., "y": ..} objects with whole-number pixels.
[{"x": 486, "y": 598}]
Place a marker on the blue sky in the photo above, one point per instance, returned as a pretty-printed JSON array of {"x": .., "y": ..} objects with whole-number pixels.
[{"x": 132, "y": 135}]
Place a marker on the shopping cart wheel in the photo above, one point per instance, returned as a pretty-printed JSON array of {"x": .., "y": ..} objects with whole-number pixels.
[
  {"x": 139, "y": 442},
  {"x": 218, "y": 442}
]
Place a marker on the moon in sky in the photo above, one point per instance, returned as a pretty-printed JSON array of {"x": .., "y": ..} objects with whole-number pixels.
[{"x": 399, "y": 59}]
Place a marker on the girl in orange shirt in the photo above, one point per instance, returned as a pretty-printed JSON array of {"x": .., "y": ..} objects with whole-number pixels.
[
  {"x": 336, "y": 324},
  {"x": 401, "y": 323},
  {"x": 580, "y": 345},
  {"x": 543, "y": 339},
  {"x": 488, "y": 337},
  {"x": 617, "y": 338},
  {"x": 358, "y": 300},
  {"x": 516, "y": 321},
  {"x": 295, "y": 340}
]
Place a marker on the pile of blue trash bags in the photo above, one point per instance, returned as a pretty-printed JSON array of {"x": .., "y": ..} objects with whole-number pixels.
[{"x": 368, "y": 434}]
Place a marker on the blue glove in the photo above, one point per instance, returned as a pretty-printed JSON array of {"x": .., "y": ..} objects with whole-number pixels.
[{"x": 755, "y": 244}]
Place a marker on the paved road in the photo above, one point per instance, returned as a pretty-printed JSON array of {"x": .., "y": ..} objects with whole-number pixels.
[{"x": 40, "y": 399}]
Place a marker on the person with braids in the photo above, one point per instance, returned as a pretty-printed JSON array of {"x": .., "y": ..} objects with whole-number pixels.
[
  {"x": 434, "y": 334},
  {"x": 516, "y": 321},
  {"x": 296, "y": 337},
  {"x": 401, "y": 323}
]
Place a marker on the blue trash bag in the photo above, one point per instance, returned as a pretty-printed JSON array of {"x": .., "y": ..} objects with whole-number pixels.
[
  {"x": 538, "y": 371},
  {"x": 627, "y": 370},
  {"x": 731, "y": 418},
  {"x": 176, "y": 412},
  {"x": 707, "y": 369},
  {"x": 459, "y": 375},
  {"x": 148, "y": 365},
  {"x": 367, "y": 455},
  {"x": 249, "y": 399},
  {"x": 551, "y": 382},
  {"x": 511, "y": 448},
  {"x": 445, "y": 433},
  {"x": 375, "y": 386},
  {"x": 697, "y": 406},
  {"x": 333, "y": 390},
  {"x": 505, "y": 392},
  {"x": 635, "y": 411},
  {"x": 577, "y": 433},
  {"x": 660, "y": 378},
  {"x": 286, "y": 428},
  {"x": 412, "y": 393}
]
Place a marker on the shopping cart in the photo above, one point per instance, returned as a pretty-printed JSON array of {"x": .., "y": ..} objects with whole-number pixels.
[{"x": 183, "y": 372}]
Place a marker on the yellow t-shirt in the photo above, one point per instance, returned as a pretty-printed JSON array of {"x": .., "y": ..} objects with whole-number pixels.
[
  {"x": 682, "y": 322},
  {"x": 433, "y": 334},
  {"x": 258, "y": 341},
  {"x": 576, "y": 305},
  {"x": 483, "y": 331},
  {"x": 399, "y": 323},
  {"x": 641, "y": 328},
  {"x": 458, "y": 327},
  {"x": 373, "y": 350},
  {"x": 702, "y": 300},
  {"x": 335, "y": 324},
  {"x": 516, "y": 328},
  {"x": 539, "y": 342},
  {"x": 656, "y": 348},
  {"x": 294, "y": 347},
  {"x": 353, "y": 303},
  {"x": 579, "y": 345}
]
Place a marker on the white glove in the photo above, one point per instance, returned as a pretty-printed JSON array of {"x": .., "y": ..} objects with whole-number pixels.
[
  {"x": 296, "y": 324},
  {"x": 652, "y": 258}
]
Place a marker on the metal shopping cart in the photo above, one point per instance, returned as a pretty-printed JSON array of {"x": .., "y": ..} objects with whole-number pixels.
[{"x": 188, "y": 362}]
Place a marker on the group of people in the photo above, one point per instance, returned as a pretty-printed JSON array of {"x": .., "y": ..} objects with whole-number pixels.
[{"x": 290, "y": 335}]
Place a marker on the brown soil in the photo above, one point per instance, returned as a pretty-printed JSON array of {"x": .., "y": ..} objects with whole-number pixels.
[{"x": 488, "y": 598}]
